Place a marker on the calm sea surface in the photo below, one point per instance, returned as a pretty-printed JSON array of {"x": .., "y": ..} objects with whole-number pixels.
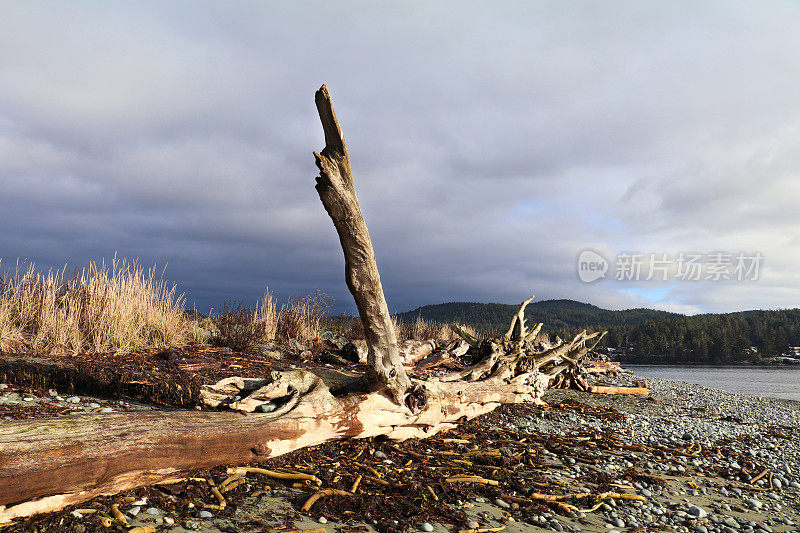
[{"x": 772, "y": 381}]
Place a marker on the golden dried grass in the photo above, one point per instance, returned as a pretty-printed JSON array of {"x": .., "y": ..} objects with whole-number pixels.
[{"x": 101, "y": 308}]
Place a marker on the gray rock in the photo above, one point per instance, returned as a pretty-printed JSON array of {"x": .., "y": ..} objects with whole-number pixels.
[
  {"x": 379, "y": 455},
  {"x": 752, "y": 502},
  {"x": 153, "y": 511},
  {"x": 73, "y": 399},
  {"x": 322, "y": 520},
  {"x": 266, "y": 408},
  {"x": 133, "y": 511},
  {"x": 699, "y": 512},
  {"x": 730, "y": 522},
  {"x": 205, "y": 514},
  {"x": 502, "y": 503},
  {"x": 268, "y": 350},
  {"x": 425, "y": 526},
  {"x": 106, "y": 410},
  {"x": 298, "y": 346}
]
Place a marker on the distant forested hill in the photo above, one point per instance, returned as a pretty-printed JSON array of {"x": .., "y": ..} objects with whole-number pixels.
[
  {"x": 557, "y": 315},
  {"x": 710, "y": 338},
  {"x": 641, "y": 335}
]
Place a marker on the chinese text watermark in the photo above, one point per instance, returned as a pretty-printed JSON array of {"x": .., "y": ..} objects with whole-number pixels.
[{"x": 683, "y": 266}]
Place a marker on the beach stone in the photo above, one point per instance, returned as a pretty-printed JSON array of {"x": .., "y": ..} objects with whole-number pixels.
[
  {"x": 73, "y": 399},
  {"x": 133, "y": 511},
  {"x": 205, "y": 514},
  {"x": 322, "y": 520},
  {"x": 480, "y": 499},
  {"x": 473, "y": 525},
  {"x": 153, "y": 511},
  {"x": 379, "y": 455},
  {"x": 266, "y": 408},
  {"x": 106, "y": 410},
  {"x": 699, "y": 512},
  {"x": 140, "y": 502},
  {"x": 502, "y": 503},
  {"x": 169, "y": 521},
  {"x": 425, "y": 526},
  {"x": 298, "y": 346},
  {"x": 730, "y": 522},
  {"x": 752, "y": 502}
]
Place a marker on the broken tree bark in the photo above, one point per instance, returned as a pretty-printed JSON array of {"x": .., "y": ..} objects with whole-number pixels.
[
  {"x": 337, "y": 191},
  {"x": 46, "y": 465}
]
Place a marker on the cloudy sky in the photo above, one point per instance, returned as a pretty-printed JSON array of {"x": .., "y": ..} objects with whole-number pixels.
[{"x": 492, "y": 142}]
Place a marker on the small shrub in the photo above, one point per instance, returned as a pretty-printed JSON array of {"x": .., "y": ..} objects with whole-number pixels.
[
  {"x": 356, "y": 331},
  {"x": 238, "y": 327},
  {"x": 302, "y": 320}
]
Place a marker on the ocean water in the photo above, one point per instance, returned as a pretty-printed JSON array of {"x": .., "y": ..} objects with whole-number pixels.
[{"x": 771, "y": 381}]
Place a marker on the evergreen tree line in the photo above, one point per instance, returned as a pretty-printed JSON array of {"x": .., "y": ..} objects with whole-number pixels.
[
  {"x": 641, "y": 335},
  {"x": 710, "y": 339}
]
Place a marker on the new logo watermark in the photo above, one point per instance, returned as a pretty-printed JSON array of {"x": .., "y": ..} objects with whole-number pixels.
[
  {"x": 683, "y": 266},
  {"x": 591, "y": 266}
]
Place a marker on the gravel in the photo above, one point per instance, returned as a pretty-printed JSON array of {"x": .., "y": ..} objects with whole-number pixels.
[{"x": 706, "y": 492}]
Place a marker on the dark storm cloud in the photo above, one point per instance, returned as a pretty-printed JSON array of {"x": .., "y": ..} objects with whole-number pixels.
[{"x": 491, "y": 142}]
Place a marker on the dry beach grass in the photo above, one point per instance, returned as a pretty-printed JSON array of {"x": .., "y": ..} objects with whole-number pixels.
[
  {"x": 102, "y": 308},
  {"x": 121, "y": 306}
]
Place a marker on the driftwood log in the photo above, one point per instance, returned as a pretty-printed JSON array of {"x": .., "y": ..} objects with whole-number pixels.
[{"x": 48, "y": 464}]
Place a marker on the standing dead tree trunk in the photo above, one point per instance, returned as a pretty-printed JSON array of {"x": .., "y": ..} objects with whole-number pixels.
[
  {"x": 48, "y": 464},
  {"x": 338, "y": 194}
]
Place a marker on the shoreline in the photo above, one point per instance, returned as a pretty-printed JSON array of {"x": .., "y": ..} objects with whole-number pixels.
[{"x": 685, "y": 452}]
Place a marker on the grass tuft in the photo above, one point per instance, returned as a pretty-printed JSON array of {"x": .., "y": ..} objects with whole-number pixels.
[{"x": 101, "y": 308}]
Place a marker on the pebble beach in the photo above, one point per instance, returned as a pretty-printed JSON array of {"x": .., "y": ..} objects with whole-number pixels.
[{"x": 694, "y": 452}]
